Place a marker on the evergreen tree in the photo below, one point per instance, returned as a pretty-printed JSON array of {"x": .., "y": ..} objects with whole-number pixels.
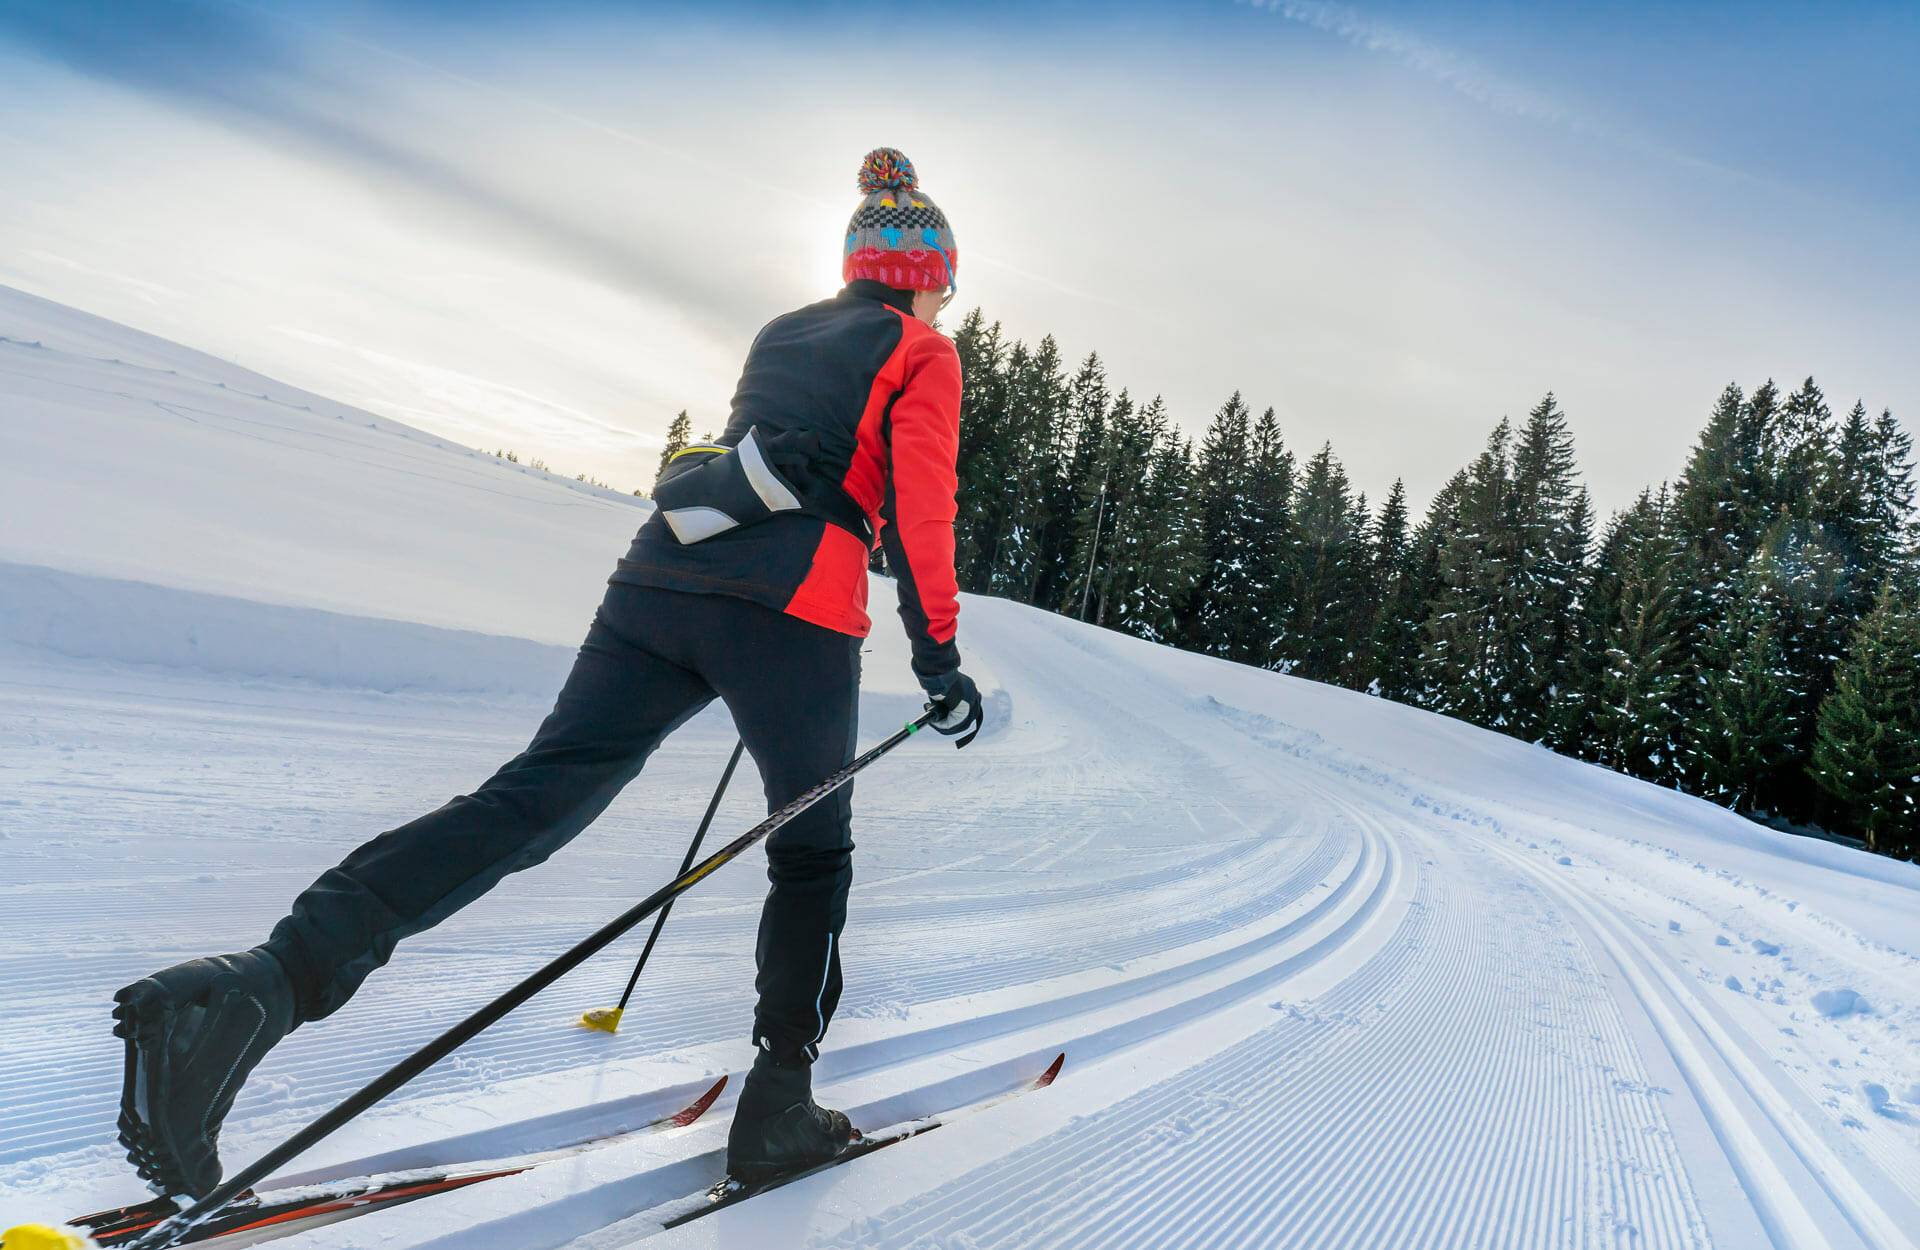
[
  {"x": 1161, "y": 547},
  {"x": 1641, "y": 592},
  {"x": 985, "y": 447},
  {"x": 1741, "y": 723},
  {"x": 1098, "y": 492},
  {"x": 1891, "y": 496},
  {"x": 678, "y": 432},
  {"x": 1870, "y": 499},
  {"x": 1799, "y": 456},
  {"x": 1327, "y": 574},
  {"x": 1075, "y": 441},
  {"x": 1036, "y": 404},
  {"x": 1224, "y": 619},
  {"x": 1800, "y": 583},
  {"x": 1569, "y": 711},
  {"x": 1400, "y": 604},
  {"x": 1268, "y": 521},
  {"x": 1467, "y": 663},
  {"x": 1721, "y": 496},
  {"x": 1867, "y": 755},
  {"x": 1536, "y": 599},
  {"x": 1427, "y": 582},
  {"x": 1357, "y": 669}
]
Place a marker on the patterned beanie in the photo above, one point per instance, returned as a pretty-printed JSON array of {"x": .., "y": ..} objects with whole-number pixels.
[{"x": 898, "y": 236}]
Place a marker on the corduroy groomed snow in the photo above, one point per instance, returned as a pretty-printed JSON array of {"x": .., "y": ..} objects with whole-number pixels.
[{"x": 898, "y": 236}]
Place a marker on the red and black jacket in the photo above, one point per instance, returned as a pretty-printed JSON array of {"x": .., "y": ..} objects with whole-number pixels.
[{"x": 873, "y": 394}]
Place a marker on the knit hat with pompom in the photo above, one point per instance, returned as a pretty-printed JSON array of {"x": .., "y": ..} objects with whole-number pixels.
[{"x": 898, "y": 236}]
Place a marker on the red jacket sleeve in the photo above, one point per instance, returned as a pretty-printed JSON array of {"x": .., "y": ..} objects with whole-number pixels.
[{"x": 923, "y": 440}]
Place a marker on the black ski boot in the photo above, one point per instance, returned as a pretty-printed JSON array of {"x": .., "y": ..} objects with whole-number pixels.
[
  {"x": 193, "y": 1033},
  {"x": 778, "y": 1128}
]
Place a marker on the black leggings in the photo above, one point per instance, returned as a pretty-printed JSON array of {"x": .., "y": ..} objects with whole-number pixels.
[{"x": 651, "y": 660}]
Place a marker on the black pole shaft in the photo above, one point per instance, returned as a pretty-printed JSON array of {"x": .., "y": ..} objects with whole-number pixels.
[
  {"x": 699, "y": 835},
  {"x": 168, "y": 1232}
]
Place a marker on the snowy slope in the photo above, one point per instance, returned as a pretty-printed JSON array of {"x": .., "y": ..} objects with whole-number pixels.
[{"x": 1327, "y": 971}]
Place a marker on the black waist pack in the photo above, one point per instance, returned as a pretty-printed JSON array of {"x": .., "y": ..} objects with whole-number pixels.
[{"x": 709, "y": 490}]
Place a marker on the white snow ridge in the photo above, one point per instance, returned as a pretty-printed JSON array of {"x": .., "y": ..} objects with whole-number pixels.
[{"x": 1327, "y": 971}]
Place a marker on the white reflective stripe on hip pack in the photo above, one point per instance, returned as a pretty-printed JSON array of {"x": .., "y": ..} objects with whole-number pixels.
[
  {"x": 760, "y": 475},
  {"x": 690, "y": 525}
]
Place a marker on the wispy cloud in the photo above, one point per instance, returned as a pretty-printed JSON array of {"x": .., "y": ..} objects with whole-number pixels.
[
  {"x": 1475, "y": 81},
  {"x": 1444, "y": 65}
]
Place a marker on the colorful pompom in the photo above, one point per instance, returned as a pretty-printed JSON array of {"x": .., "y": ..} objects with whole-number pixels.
[{"x": 887, "y": 169}]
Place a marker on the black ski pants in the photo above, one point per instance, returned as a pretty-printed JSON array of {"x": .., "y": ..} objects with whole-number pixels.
[{"x": 651, "y": 660}]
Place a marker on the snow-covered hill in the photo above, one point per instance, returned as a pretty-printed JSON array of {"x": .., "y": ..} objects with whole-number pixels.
[{"x": 1327, "y": 971}]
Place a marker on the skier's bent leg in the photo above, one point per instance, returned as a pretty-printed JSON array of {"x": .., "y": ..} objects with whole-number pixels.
[
  {"x": 618, "y": 703},
  {"x": 194, "y": 1031}
]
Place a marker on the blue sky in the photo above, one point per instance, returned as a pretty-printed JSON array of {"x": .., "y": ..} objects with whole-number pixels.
[{"x": 1393, "y": 222}]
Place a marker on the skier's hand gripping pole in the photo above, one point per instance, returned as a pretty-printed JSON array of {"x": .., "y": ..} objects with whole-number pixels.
[{"x": 168, "y": 1232}]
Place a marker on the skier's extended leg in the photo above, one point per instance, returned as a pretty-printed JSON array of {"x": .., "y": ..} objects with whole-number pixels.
[
  {"x": 798, "y": 716},
  {"x": 196, "y": 1030}
]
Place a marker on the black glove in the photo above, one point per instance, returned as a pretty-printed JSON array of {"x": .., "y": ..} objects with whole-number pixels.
[{"x": 955, "y": 703}]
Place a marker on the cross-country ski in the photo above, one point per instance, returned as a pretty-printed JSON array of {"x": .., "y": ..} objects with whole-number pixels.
[
  {"x": 732, "y": 1190},
  {"x": 278, "y": 1211}
]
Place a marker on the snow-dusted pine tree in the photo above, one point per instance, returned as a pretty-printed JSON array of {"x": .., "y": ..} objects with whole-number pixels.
[
  {"x": 1398, "y": 598},
  {"x": 1545, "y": 511},
  {"x": 679, "y": 433},
  {"x": 1224, "y": 619},
  {"x": 1328, "y": 572},
  {"x": 1640, "y": 601},
  {"x": 1466, "y": 663},
  {"x": 1867, "y": 755},
  {"x": 1740, "y": 726}
]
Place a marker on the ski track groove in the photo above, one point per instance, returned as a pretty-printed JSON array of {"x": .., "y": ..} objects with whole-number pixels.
[
  {"x": 1743, "y": 1106},
  {"x": 1547, "y": 1058}
]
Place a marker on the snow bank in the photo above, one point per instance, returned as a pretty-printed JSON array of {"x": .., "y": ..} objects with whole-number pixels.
[
  {"x": 123, "y": 456},
  {"x": 99, "y": 618}
]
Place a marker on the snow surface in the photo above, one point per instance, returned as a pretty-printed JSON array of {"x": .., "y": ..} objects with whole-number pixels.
[{"x": 1327, "y": 971}]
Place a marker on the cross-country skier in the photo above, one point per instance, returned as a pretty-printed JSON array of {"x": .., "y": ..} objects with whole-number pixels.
[{"x": 749, "y": 583}]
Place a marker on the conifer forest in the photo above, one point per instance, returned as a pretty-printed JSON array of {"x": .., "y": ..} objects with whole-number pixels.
[{"x": 1747, "y": 632}]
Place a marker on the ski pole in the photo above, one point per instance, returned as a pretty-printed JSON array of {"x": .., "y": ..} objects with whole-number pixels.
[
  {"x": 609, "y": 1021},
  {"x": 169, "y": 1231}
]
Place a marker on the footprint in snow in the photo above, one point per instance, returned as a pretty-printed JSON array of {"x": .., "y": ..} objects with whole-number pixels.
[
  {"x": 1733, "y": 983},
  {"x": 1837, "y": 1004},
  {"x": 1765, "y": 948},
  {"x": 1565, "y": 861},
  {"x": 1722, "y": 941},
  {"x": 1882, "y": 1102}
]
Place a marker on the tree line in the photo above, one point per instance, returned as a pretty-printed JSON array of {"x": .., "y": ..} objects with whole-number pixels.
[{"x": 1749, "y": 632}]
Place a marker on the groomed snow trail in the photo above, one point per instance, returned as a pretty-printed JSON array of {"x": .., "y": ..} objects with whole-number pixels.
[{"x": 1328, "y": 972}]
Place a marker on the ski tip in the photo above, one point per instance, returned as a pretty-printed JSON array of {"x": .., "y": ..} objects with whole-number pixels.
[
  {"x": 45, "y": 1237},
  {"x": 1053, "y": 1069},
  {"x": 602, "y": 1019},
  {"x": 698, "y": 1107}
]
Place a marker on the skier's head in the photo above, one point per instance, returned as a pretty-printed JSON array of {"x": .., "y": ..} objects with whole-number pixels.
[{"x": 899, "y": 236}]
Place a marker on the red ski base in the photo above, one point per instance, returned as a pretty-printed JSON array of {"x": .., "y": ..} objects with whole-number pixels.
[{"x": 319, "y": 1204}]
